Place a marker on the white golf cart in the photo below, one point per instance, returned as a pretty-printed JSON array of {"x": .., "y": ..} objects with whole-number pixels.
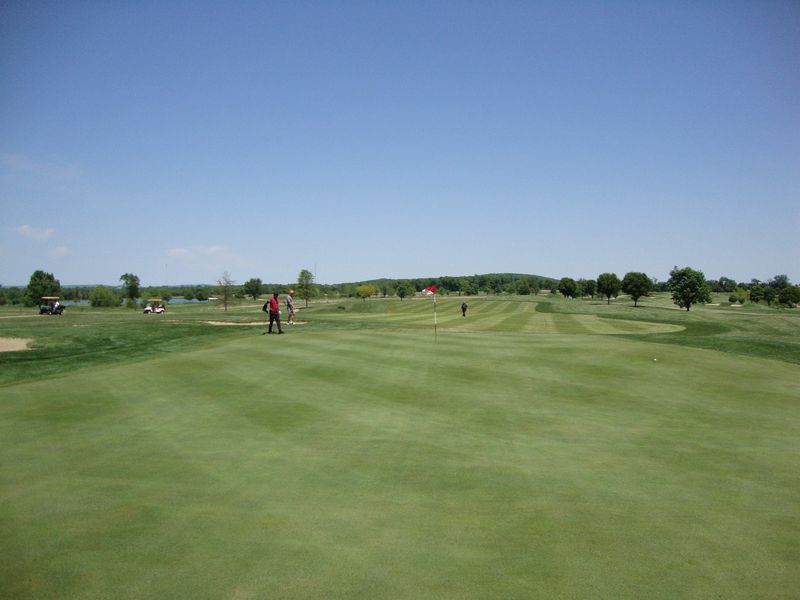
[{"x": 154, "y": 306}]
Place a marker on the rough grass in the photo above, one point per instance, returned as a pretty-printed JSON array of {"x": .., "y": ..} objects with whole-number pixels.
[{"x": 531, "y": 451}]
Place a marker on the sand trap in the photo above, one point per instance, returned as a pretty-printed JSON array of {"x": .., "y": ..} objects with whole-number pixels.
[
  {"x": 13, "y": 344},
  {"x": 249, "y": 323}
]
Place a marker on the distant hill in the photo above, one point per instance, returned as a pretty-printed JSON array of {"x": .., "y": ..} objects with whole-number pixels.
[{"x": 500, "y": 276}]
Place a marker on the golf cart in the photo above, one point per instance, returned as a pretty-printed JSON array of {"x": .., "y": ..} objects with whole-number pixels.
[
  {"x": 154, "y": 306},
  {"x": 51, "y": 306}
]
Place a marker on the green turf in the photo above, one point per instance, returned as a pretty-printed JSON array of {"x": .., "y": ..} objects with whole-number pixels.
[{"x": 532, "y": 450}]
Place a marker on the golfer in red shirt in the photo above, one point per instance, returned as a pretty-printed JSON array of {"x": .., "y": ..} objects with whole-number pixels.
[{"x": 274, "y": 312}]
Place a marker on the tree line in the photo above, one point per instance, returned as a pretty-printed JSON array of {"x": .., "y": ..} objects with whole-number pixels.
[{"x": 687, "y": 286}]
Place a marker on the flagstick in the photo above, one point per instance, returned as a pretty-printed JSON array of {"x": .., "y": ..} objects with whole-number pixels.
[{"x": 435, "y": 336}]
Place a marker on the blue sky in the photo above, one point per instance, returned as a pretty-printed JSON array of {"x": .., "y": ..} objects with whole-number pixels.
[{"x": 180, "y": 140}]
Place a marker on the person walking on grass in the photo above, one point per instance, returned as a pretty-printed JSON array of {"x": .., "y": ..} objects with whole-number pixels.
[
  {"x": 290, "y": 307},
  {"x": 464, "y": 309},
  {"x": 274, "y": 313}
]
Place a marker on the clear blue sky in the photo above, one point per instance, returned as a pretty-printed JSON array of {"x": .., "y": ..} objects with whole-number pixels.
[{"x": 364, "y": 139}]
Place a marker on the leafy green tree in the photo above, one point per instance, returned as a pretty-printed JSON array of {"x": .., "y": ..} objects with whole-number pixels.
[
  {"x": 725, "y": 284},
  {"x": 41, "y": 284},
  {"x": 470, "y": 288},
  {"x": 201, "y": 293},
  {"x": 494, "y": 284},
  {"x": 448, "y": 284},
  {"x": 130, "y": 286},
  {"x": 636, "y": 285},
  {"x": 756, "y": 293},
  {"x": 770, "y": 294},
  {"x": 567, "y": 287},
  {"x": 253, "y": 288},
  {"x": 102, "y": 296},
  {"x": 660, "y": 286},
  {"x": 306, "y": 288},
  {"x": 587, "y": 287},
  {"x": 365, "y": 291},
  {"x": 780, "y": 282},
  {"x": 13, "y": 295},
  {"x": 789, "y": 296},
  {"x": 688, "y": 287},
  {"x": 404, "y": 289},
  {"x": 608, "y": 284}
]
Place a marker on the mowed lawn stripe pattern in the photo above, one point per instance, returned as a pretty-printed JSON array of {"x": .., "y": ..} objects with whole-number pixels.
[
  {"x": 377, "y": 463},
  {"x": 489, "y": 315}
]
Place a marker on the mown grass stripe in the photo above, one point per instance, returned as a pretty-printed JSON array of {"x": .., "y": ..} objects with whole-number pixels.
[{"x": 344, "y": 461}]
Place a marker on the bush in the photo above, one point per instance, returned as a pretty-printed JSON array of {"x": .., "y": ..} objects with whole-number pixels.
[
  {"x": 789, "y": 296},
  {"x": 102, "y": 296}
]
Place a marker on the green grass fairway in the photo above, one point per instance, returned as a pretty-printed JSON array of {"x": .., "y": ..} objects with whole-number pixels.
[{"x": 539, "y": 448}]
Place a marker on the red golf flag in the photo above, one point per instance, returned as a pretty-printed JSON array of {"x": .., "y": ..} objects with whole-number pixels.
[{"x": 430, "y": 291}]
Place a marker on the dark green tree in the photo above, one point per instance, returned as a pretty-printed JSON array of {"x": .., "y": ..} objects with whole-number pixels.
[
  {"x": 567, "y": 287},
  {"x": 688, "y": 287},
  {"x": 789, "y": 296},
  {"x": 587, "y": 287},
  {"x": 41, "y": 284},
  {"x": 770, "y": 294},
  {"x": 253, "y": 288},
  {"x": 636, "y": 285},
  {"x": 493, "y": 285},
  {"x": 404, "y": 289},
  {"x": 756, "y": 293},
  {"x": 201, "y": 293},
  {"x": 470, "y": 288},
  {"x": 725, "y": 284},
  {"x": 13, "y": 295},
  {"x": 780, "y": 282},
  {"x": 608, "y": 284},
  {"x": 130, "y": 286}
]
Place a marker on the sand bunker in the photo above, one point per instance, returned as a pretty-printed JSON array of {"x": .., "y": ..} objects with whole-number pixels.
[{"x": 13, "y": 344}]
